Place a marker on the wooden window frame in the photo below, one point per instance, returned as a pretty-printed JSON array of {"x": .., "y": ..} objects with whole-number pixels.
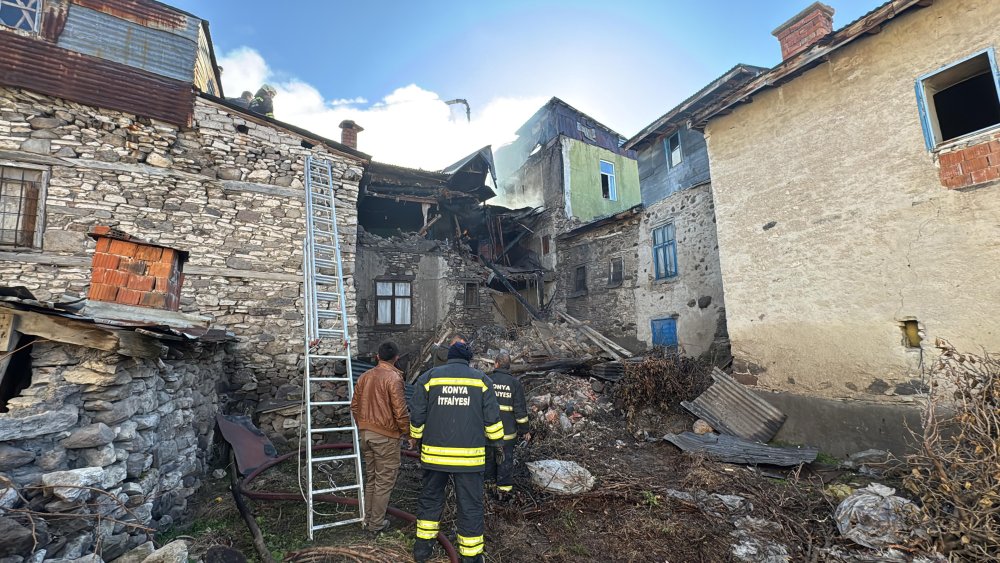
[
  {"x": 392, "y": 303},
  {"x": 37, "y": 219},
  {"x": 670, "y": 250},
  {"x": 925, "y": 102}
]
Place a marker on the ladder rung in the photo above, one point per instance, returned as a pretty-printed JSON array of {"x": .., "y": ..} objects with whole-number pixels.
[
  {"x": 328, "y": 379},
  {"x": 327, "y": 356},
  {"x": 335, "y": 489},
  {"x": 329, "y": 314},
  {"x": 329, "y": 247},
  {"x": 334, "y": 524},
  {"x": 333, "y": 458},
  {"x": 327, "y": 296},
  {"x": 328, "y": 403},
  {"x": 332, "y": 429},
  {"x": 329, "y": 331},
  {"x": 324, "y": 279},
  {"x": 325, "y": 262}
]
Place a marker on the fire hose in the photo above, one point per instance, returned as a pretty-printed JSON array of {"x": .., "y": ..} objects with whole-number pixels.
[{"x": 281, "y": 495}]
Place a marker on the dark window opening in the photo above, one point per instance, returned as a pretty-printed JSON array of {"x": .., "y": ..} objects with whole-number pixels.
[
  {"x": 17, "y": 375},
  {"x": 616, "y": 272},
  {"x": 580, "y": 279},
  {"x": 608, "y": 188},
  {"x": 242, "y": 129},
  {"x": 911, "y": 334},
  {"x": 968, "y": 106},
  {"x": 394, "y": 303},
  {"x": 307, "y": 145},
  {"x": 472, "y": 295},
  {"x": 960, "y": 99},
  {"x": 546, "y": 241}
]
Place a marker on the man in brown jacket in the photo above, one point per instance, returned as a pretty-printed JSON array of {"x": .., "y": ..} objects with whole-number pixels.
[{"x": 379, "y": 409}]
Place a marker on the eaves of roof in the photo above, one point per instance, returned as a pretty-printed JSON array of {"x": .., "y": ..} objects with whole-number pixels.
[
  {"x": 621, "y": 215},
  {"x": 789, "y": 69}
]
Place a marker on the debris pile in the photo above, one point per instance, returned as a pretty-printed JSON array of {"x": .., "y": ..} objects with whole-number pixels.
[{"x": 564, "y": 404}]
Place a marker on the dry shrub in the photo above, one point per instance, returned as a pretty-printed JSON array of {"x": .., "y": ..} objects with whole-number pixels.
[
  {"x": 660, "y": 381},
  {"x": 956, "y": 472}
]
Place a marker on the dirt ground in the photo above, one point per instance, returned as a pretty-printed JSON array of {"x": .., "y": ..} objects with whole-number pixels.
[{"x": 651, "y": 503}]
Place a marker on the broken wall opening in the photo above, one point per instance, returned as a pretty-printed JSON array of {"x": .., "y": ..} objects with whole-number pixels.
[{"x": 15, "y": 369}]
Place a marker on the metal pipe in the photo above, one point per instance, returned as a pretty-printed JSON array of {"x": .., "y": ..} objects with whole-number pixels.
[{"x": 264, "y": 495}]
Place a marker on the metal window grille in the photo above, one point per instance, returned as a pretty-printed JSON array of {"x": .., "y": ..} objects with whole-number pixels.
[
  {"x": 616, "y": 272},
  {"x": 580, "y": 282},
  {"x": 471, "y": 295},
  {"x": 394, "y": 302},
  {"x": 664, "y": 252},
  {"x": 20, "y": 203},
  {"x": 21, "y": 14}
]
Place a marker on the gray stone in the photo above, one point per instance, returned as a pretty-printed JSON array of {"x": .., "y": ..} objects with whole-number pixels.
[
  {"x": 704, "y": 301},
  {"x": 11, "y": 457},
  {"x": 67, "y": 484},
  {"x": 8, "y": 497},
  {"x": 90, "y": 436},
  {"x": 137, "y": 463},
  {"x": 19, "y": 427},
  {"x": 37, "y": 146},
  {"x": 230, "y": 174},
  {"x": 98, "y": 457},
  {"x": 121, "y": 411},
  {"x": 15, "y": 539},
  {"x": 77, "y": 545},
  {"x": 137, "y": 555},
  {"x": 239, "y": 263},
  {"x": 40, "y": 122},
  {"x": 47, "y": 354},
  {"x": 87, "y": 376},
  {"x": 113, "y": 475},
  {"x": 66, "y": 152},
  {"x": 159, "y": 160},
  {"x": 44, "y": 134},
  {"x": 52, "y": 459},
  {"x": 126, "y": 431}
]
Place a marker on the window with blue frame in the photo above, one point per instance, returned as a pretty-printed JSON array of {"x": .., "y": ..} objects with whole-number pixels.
[
  {"x": 664, "y": 332},
  {"x": 608, "y": 188},
  {"x": 673, "y": 149},
  {"x": 664, "y": 252},
  {"x": 959, "y": 99}
]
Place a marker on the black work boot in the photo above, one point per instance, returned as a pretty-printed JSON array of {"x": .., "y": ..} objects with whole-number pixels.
[
  {"x": 477, "y": 559},
  {"x": 422, "y": 550}
]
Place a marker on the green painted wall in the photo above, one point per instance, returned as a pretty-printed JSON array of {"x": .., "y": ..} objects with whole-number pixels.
[{"x": 586, "y": 202}]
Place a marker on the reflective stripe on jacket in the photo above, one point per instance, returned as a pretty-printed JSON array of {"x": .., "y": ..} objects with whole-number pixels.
[
  {"x": 454, "y": 413},
  {"x": 513, "y": 408}
]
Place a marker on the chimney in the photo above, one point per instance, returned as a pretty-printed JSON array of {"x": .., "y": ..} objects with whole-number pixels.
[
  {"x": 349, "y": 133},
  {"x": 131, "y": 271},
  {"x": 805, "y": 29}
]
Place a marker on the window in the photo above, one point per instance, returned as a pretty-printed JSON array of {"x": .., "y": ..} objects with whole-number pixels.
[
  {"x": 674, "y": 153},
  {"x": 471, "y": 294},
  {"x": 580, "y": 279},
  {"x": 959, "y": 99},
  {"x": 21, "y": 205},
  {"x": 20, "y": 14},
  {"x": 664, "y": 332},
  {"x": 616, "y": 271},
  {"x": 664, "y": 252},
  {"x": 546, "y": 244},
  {"x": 608, "y": 188},
  {"x": 394, "y": 302}
]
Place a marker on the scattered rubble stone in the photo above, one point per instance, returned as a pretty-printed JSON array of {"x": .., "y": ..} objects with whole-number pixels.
[
  {"x": 174, "y": 552},
  {"x": 11, "y": 457}
]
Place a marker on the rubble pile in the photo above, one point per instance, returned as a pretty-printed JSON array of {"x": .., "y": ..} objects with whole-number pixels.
[
  {"x": 559, "y": 344},
  {"x": 564, "y": 404}
]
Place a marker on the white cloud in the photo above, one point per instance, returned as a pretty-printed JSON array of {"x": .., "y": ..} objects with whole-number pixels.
[{"x": 409, "y": 126}]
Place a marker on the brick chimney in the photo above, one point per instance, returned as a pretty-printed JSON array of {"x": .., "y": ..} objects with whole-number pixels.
[
  {"x": 349, "y": 133},
  {"x": 807, "y": 27},
  {"x": 131, "y": 271}
]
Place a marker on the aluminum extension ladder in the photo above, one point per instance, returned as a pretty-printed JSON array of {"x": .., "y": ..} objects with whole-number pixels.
[{"x": 327, "y": 341}]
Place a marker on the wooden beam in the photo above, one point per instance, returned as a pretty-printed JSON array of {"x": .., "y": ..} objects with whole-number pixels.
[
  {"x": 427, "y": 227},
  {"x": 116, "y": 311},
  {"x": 137, "y": 345},
  {"x": 8, "y": 340},
  {"x": 516, "y": 294},
  {"x": 67, "y": 331}
]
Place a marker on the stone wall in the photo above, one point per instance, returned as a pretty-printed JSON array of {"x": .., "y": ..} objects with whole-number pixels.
[
  {"x": 609, "y": 307},
  {"x": 136, "y": 431},
  {"x": 829, "y": 247},
  {"x": 694, "y": 297},
  {"x": 437, "y": 273},
  {"x": 229, "y": 190}
]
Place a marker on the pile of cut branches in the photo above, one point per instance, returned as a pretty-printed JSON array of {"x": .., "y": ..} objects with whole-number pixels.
[
  {"x": 660, "y": 381},
  {"x": 956, "y": 472}
]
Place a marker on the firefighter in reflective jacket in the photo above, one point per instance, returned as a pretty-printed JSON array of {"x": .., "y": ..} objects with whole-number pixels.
[
  {"x": 514, "y": 415},
  {"x": 454, "y": 414}
]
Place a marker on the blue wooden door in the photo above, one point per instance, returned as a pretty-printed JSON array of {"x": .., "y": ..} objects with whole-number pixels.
[{"x": 665, "y": 332}]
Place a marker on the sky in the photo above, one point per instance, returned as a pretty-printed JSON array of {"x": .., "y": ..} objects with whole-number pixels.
[{"x": 390, "y": 65}]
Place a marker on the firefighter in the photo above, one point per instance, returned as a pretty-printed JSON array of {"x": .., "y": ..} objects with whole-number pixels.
[
  {"x": 263, "y": 101},
  {"x": 454, "y": 414},
  {"x": 514, "y": 414}
]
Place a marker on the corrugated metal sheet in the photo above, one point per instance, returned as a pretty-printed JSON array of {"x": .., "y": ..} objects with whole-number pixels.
[
  {"x": 45, "y": 68},
  {"x": 169, "y": 53},
  {"x": 147, "y": 13},
  {"x": 733, "y": 409},
  {"x": 731, "y": 449}
]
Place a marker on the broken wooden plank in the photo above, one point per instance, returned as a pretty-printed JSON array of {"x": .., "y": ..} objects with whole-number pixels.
[
  {"x": 118, "y": 312},
  {"x": 67, "y": 331},
  {"x": 731, "y": 408},
  {"x": 732, "y": 449},
  {"x": 561, "y": 363},
  {"x": 510, "y": 288},
  {"x": 135, "y": 345},
  {"x": 593, "y": 332},
  {"x": 8, "y": 340},
  {"x": 586, "y": 331}
]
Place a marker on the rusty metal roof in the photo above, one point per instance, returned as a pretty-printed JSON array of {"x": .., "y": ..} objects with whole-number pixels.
[
  {"x": 731, "y": 408},
  {"x": 731, "y": 449},
  {"x": 46, "y": 68}
]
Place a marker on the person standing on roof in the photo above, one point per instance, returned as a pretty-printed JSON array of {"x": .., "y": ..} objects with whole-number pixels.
[
  {"x": 455, "y": 413},
  {"x": 514, "y": 414},
  {"x": 379, "y": 410},
  {"x": 263, "y": 101}
]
